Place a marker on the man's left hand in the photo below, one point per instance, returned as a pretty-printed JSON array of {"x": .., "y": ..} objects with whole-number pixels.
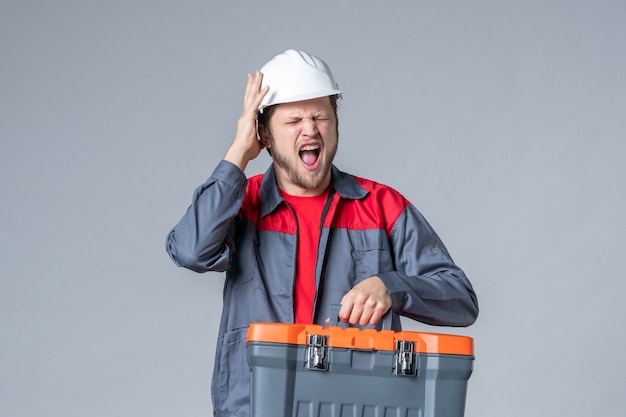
[{"x": 365, "y": 303}]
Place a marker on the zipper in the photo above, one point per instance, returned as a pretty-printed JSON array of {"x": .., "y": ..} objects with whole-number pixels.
[
  {"x": 318, "y": 280},
  {"x": 295, "y": 263}
]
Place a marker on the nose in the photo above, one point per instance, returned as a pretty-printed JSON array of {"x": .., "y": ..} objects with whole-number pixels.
[{"x": 309, "y": 126}]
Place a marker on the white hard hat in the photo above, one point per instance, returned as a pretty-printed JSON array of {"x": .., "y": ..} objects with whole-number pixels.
[{"x": 295, "y": 76}]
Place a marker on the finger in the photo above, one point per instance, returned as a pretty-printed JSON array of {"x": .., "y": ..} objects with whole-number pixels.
[
  {"x": 259, "y": 98},
  {"x": 369, "y": 309},
  {"x": 346, "y": 310},
  {"x": 253, "y": 90},
  {"x": 247, "y": 96},
  {"x": 375, "y": 317},
  {"x": 356, "y": 300},
  {"x": 363, "y": 319},
  {"x": 378, "y": 314},
  {"x": 258, "y": 78},
  {"x": 356, "y": 314}
]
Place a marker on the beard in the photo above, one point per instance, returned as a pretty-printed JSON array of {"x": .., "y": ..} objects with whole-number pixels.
[{"x": 310, "y": 180}]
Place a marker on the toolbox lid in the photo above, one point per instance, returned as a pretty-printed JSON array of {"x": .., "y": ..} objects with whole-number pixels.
[{"x": 352, "y": 337}]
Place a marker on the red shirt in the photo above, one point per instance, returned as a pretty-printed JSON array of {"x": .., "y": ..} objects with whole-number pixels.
[{"x": 308, "y": 212}]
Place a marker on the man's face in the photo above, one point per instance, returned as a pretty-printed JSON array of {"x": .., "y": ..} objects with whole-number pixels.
[{"x": 303, "y": 138}]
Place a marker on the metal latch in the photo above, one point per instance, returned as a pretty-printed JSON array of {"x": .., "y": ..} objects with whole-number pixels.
[
  {"x": 405, "y": 365},
  {"x": 317, "y": 352}
]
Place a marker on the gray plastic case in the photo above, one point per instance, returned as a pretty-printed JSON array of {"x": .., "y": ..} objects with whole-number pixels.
[{"x": 354, "y": 382}]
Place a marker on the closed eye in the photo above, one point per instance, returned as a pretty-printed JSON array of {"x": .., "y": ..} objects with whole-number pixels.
[{"x": 321, "y": 117}]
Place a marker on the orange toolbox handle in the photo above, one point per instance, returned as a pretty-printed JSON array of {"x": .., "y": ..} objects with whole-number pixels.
[{"x": 352, "y": 337}]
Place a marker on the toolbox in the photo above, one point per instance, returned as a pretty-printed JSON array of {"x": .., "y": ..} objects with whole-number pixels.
[{"x": 306, "y": 370}]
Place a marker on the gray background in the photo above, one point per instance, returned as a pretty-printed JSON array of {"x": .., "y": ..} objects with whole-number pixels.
[{"x": 502, "y": 121}]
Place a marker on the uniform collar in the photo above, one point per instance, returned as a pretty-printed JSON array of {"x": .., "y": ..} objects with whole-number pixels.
[{"x": 345, "y": 185}]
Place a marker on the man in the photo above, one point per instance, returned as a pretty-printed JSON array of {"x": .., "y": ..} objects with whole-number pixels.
[{"x": 305, "y": 236}]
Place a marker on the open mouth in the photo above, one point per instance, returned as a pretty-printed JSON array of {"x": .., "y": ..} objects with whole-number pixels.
[{"x": 309, "y": 155}]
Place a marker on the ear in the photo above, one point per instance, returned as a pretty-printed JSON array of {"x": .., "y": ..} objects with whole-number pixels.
[{"x": 263, "y": 136}]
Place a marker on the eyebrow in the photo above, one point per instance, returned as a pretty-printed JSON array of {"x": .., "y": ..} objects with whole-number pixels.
[{"x": 299, "y": 116}]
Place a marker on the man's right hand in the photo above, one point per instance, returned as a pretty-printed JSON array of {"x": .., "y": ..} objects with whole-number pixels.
[{"x": 246, "y": 146}]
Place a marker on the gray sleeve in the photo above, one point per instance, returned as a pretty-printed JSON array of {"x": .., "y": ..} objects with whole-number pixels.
[
  {"x": 426, "y": 285},
  {"x": 203, "y": 240}
]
